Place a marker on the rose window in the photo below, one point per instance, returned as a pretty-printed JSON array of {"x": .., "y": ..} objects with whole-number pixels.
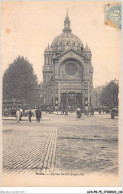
[{"x": 71, "y": 69}]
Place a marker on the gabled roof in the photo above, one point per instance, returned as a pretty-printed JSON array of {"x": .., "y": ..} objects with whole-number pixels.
[{"x": 71, "y": 49}]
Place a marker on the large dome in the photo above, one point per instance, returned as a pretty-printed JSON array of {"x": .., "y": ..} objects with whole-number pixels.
[{"x": 65, "y": 41}]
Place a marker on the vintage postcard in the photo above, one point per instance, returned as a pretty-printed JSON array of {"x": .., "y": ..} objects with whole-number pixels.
[{"x": 61, "y": 93}]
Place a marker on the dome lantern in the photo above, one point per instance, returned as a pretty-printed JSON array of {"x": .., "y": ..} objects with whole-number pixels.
[{"x": 67, "y": 24}]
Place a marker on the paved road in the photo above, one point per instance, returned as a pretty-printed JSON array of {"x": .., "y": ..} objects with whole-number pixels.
[{"x": 60, "y": 143}]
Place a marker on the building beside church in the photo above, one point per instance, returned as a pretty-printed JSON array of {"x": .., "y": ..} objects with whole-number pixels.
[{"x": 67, "y": 71}]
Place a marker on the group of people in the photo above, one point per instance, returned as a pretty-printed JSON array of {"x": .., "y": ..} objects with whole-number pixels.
[
  {"x": 102, "y": 110},
  {"x": 64, "y": 112},
  {"x": 79, "y": 112},
  {"x": 38, "y": 114},
  {"x": 113, "y": 112}
]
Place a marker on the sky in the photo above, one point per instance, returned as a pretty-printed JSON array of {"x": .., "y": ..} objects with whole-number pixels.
[{"x": 27, "y": 27}]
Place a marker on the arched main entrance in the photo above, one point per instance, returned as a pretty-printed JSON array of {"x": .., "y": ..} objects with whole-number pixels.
[{"x": 71, "y": 100}]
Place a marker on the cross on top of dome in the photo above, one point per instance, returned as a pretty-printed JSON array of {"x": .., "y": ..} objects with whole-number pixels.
[
  {"x": 67, "y": 24},
  {"x": 67, "y": 17}
]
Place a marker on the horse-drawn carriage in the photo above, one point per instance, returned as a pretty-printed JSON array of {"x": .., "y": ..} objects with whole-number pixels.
[{"x": 10, "y": 107}]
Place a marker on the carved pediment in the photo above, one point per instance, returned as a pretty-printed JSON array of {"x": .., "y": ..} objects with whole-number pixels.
[{"x": 71, "y": 53}]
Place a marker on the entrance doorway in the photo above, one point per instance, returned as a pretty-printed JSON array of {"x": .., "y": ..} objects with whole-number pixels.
[
  {"x": 71, "y": 100},
  {"x": 71, "y": 103}
]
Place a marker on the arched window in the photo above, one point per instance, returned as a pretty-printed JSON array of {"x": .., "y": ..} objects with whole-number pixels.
[
  {"x": 48, "y": 60},
  {"x": 45, "y": 60}
]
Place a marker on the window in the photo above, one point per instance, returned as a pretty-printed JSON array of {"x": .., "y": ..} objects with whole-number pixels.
[
  {"x": 56, "y": 85},
  {"x": 71, "y": 69},
  {"x": 56, "y": 91},
  {"x": 86, "y": 91},
  {"x": 86, "y": 85},
  {"x": 86, "y": 101},
  {"x": 48, "y": 77}
]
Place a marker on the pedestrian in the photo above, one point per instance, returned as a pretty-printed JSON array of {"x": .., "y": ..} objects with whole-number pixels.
[
  {"x": 99, "y": 111},
  {"x": 30, "y": 115},
  {"x": 66, "y": 112},
  {"x": 38, "y": 114},
  {"x": 41, "y": 115},
  {"x": 78, "y": 112},
  {"x": 113, "y": 113},
  {"x": 63, "y": 111},
  {"x": 107, "y": 111},
  {"x": 21, "y": 113},
  {"x": 93, "y": 111},
  {"x": 17, "y": 115},
  {"x": 103, "y": 110}
]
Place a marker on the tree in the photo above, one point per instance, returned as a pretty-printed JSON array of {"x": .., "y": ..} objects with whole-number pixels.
[
  {"x": 19, "y": 81},
  {"x": 109, "y": 95}
]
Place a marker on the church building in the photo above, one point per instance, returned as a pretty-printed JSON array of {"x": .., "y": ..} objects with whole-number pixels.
[{"x": 67, "y": 71}]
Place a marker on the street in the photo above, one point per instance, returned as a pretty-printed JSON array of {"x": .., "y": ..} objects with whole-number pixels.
[{"x": 60, "y": 143}]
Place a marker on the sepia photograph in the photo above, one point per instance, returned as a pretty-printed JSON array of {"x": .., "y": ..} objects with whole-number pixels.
[{"x": 61, "y": 93}]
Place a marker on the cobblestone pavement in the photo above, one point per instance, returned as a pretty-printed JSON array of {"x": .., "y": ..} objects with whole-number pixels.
[
  {"x": 28, "y": 147},
  {"x": 60, "y": 143},
  {"x": 89, "y": 147}
]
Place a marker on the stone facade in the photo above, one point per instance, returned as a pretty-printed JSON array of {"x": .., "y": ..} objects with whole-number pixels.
[{"x": 67, "y": 71}]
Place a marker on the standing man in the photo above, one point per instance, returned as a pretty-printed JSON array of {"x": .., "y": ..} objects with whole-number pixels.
[
  {"x": 38, "y": 114},
  {"x": 78, "y": 112},
  {"x": 30, "y": 115},
  {"x": 99, "y": 110},
  {"x": 21, "y": 113}
]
